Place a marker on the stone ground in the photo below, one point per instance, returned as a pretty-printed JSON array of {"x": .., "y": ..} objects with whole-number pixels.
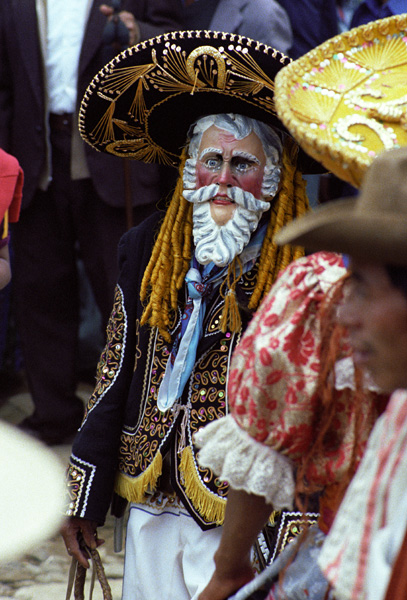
[{"x": 42, "y": 574}]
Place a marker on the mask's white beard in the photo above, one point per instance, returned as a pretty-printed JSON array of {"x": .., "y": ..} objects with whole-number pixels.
[{"x": 221, "y": 244}]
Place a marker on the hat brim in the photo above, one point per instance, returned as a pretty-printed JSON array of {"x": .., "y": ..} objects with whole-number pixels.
[
  {"x": 340, "y": 227},
  {"x": 32, "y": 493},
  {"x": 142, "y": 104},
  {"x": 345, "y": 101}
]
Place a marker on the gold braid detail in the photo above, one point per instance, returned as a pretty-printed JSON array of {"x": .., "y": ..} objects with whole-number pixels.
[
  {"x": 169, "y": 262},
  {"x": 230, "y": 319},
  {"x": 291, "y": 202}
]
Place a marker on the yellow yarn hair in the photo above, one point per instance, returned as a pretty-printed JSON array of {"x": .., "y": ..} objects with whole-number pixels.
[
  {"x": 291, "y": 202},
  {"x": 172, "y": 252},
  {"x": 169, "y": 262}
]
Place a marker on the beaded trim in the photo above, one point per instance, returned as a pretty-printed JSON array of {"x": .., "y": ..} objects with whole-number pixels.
[
  {"x": 168, "y": 70},
  {"x": 346, "y": 101}
]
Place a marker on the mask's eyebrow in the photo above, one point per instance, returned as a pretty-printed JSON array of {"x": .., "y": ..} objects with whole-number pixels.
[
  {"x": 236, "y": 153},
  {"x": 246, "y": 155},
  {"x": 209, "y": 151}
]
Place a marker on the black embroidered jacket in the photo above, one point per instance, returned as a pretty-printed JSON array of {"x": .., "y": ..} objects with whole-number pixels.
[{"x": 124, "y": 437}]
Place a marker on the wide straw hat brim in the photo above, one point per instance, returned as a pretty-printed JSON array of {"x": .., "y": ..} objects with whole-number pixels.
[
  {"x": 372, "y": 226},
  {"x": 32, "y": 493},
  {"x": 345, "y": 102},
  {"x": 142, "y": 104},
  {"x": 341, "y": 227}
]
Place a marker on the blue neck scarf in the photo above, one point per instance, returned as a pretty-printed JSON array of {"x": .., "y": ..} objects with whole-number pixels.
[{"x": 200, "y": 281}]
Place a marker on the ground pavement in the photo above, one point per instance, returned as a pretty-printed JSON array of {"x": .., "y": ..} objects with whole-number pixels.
[{"x": 42, "y": 574}]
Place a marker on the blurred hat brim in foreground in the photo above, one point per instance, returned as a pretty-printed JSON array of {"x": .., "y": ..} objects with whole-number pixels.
[{"x": 32, "y": 496}]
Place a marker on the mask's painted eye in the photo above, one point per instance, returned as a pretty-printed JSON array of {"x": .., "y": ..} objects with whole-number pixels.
[
  {"x": 213, "y": 162},
  {"x": 241, "y": 165}
]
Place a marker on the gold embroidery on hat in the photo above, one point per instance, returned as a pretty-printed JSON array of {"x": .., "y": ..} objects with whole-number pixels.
[
  {"x": 314, "y": 106},
  {"x": 246, "y": 67},
  {"x": 104, "y": 130},
  {"x": 337, "y": 75},
  {"x": 230, "y": 69},
  {"x": 380, "y": 56},
  {"x": 385, "y": 134},
  {"x": 119, "y": 80},
  {"x": 391, "y": 110},
  {"x": 139, "y": 149},
  {"x": 204, "y": 51}
]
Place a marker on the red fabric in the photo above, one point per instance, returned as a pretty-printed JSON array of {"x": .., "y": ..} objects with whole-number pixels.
[
  {"x": 272, "y": 380},
  {"x": 11, "y": 186}
]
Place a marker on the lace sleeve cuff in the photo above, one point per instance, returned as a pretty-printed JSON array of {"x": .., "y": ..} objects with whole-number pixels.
[{"x": 245, "y": 463}]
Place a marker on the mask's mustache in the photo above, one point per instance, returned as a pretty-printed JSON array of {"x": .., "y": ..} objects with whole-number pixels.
[{"x": 236, "y": 194}]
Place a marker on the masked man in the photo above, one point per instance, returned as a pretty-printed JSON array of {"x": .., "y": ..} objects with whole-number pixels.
[{"x": 188, "y": 285}]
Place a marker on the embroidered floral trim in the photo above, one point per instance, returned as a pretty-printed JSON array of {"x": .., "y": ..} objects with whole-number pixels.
[
  {"x": 111, "y": 359},
  {"x": 80, "y": 476}
]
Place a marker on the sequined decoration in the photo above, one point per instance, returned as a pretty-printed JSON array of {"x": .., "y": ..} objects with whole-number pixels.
[
  {"x": 112, "y": 355},
  {"x": 347, "y": 99},
  {"x": 79, "y": 479},
  {"x": 138, "y": 448}
]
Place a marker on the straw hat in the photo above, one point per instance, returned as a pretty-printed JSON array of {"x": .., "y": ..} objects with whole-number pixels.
[
  {"x": 345, "y": 102},
  {"x": 142, "y": 103},
  {"x": 31, "y": 493},
  {"x": 372, "y": 227}
]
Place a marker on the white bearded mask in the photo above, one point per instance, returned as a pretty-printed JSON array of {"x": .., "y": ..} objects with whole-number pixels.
[{"x": 221, "y": 243}]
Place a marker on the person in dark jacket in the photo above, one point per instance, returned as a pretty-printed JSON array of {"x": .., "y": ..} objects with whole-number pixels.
[
  {"x": 312, "y": 22},
  {"x": 263, "y": 20},
  {"x": 74, "y": 199},
  {"x": 372, "y": 10}
]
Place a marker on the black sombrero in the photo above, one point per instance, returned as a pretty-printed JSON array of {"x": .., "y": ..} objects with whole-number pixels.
[{"x": 142, "y": 103}]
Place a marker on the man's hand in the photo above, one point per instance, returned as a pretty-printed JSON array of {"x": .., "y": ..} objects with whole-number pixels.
[
  {"x": 221, "y": 586},
  {"x": 129, "y": 21},
  {"x": 72, "y": 529}
]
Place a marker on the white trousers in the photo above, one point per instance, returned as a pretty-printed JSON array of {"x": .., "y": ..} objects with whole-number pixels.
[{"x": 168, "y": 556}]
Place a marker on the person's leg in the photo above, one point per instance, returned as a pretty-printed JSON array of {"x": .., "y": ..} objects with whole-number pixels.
[
  {"x": 46, "y": 301},
  {"x": 167, "y": 556},
  {"x": 197, "y": 560},
  {"x": 99, "y": 228},
  {"x": 152, "y": 567}
]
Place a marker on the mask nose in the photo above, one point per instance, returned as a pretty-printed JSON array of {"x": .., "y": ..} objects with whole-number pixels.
[{"x": 225, "y": 175}]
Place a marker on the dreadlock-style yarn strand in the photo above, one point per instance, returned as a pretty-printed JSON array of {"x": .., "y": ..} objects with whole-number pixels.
[
  {"x": 291, "y": 201},
  {"x": 169, "y": 261},
  {"x": 181, "y": 242}
]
